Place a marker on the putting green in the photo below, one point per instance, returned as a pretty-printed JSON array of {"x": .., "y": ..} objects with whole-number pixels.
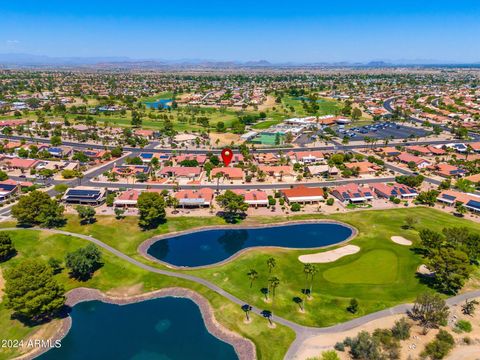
[{"x": 374, "y": 267}]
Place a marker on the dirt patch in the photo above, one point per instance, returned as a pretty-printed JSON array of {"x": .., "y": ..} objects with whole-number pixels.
[
  {"x": 400, "y": 240},
  {"x": 126, "y": 291},
  {"x": 224, "y": 139},
  {"x": 329, "y": 256}
]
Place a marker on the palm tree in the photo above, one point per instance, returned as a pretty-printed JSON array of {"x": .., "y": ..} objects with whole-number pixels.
[
  {"x": 247, "y": 308},
  {"x": 299, "y": 301},
  {"x": 268, "y": 315},
  {"x": 313, "y": 271},
  {"x": 307, "y": 268},
  {"x": 252, "y": 275},
  {"x": 271, "y": 264},
  {"x": 274, "y": 282}
]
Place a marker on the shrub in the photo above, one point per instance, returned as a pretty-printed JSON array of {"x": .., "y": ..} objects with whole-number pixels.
[
  {"x": 401, "y": 329},
  {"x": 440, "y": 347},
  {"x": 329, "y": 355},
  {"x": 295, "y": 207},
  {"x": 339, "y": 346},
  {"x": 463, "y": 326},
  {"x": 330, "y": 201},
  {"x": 353, "y": 307}
]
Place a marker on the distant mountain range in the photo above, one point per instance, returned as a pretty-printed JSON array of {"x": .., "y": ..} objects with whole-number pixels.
[{"x": 17, "y": 60}]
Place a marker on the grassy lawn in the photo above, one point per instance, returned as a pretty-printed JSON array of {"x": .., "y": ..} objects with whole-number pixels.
[
  {"x": 326, "y": 106},
  {"x": 382, "y": 274},
  {"x": 117, "y": 276}
]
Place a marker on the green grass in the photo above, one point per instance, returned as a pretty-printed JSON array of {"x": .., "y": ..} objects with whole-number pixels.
[
  {"x": 118, "y": 274},
  {"x": 160, "y": 96},
  {"x": 366, "y": 270},
  {"x": 381, "y": 275},
  {"x": 266, "y": 124}
]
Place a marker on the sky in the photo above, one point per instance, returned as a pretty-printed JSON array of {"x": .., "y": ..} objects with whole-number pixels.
[{"x": 276, "y": 31}]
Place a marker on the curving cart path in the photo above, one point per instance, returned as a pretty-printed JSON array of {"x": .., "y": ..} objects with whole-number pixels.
[{"x": 302, "y": 332}]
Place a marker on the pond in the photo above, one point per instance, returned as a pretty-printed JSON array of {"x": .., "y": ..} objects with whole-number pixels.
[
  {"x": 159, "y": 104},
  {"x": 207, "y": 247},
  {"x": 159, "y": 329}
]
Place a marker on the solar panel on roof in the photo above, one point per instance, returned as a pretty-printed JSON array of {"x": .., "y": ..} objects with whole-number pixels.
[
  {"x": 449, "y": 197},
  {"x": 7, "y": 187},
  {"x": 474, "y": 204}
]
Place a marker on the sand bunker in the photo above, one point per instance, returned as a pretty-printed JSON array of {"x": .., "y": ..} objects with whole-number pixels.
[
  {"x": 425, "y": 271},
  {"x": 401, "y": 240},
  {"x": 329, "y": 256}
]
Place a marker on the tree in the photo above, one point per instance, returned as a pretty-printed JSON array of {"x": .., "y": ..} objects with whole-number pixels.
[
  {"x": 119, "y": 213},
  {"x": 439, "y": 347},
  {"x": 469, "y": 307},
  {"x": 247, "y": 308},
  {"x": 32, "y": 292},
  {"x": 252, "y": 275},
  {"x": 365, "y": 346},
  {"x": 83, "y": 262},
  {"x": 274, "y": 282},
  {"x": 3, "y": 175},
  {"x": 7, "y": 249},
  {"x": 298, "y": 300},
  {"x": 37, "y": 208},
  {"x": 271, "y": 263},
  {"x": 410, "y": 180},
  {"x": 56, "y": 140},
  {"x": 151, "y": 210},
  {"x": 356, "y": 114},
  {"x": 452, "y": 268},
  {"x": 430, "y": 240},
  {"x": 232, "y": 204},
  {"x": 430, "y": 310},
  {"x": 428, "y": 197},
  {"x": 295, "y": 207},
  {"x": 401, "y": 329},
  {"x": 353, "y": 307},
  {"x": 86, "y": 214},
  {"x": 465, "y": 185},
  {"x": 410, "y": 222}
]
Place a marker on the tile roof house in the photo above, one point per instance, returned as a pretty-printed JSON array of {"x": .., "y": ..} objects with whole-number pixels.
[
  {"x": 195, "y": 198},
  {"x": 8, "y": 188},
  {"x": 201, "y": 159},
  {"x": 452, "y": 197},
  {"x": 253, "y": 197},
  {"x": 418, "y": 161},
  {"x": 127, "y": 170},
  {"x": 277, "y": 170},
  {"x": 306, "y": 157},
  {"x": 303, "y": 194},
  {"x": 447, "y": 170},
  {"x": 18, "y": 163},
  {"x": 352, "y": 193},
  {"x": 127, "y": 198},
  {"x": 364, "y": 167},
  {"x": 231, "y": 173},
  {"x": 396, "y": 190},
  {"x": 180, "y": 171}
]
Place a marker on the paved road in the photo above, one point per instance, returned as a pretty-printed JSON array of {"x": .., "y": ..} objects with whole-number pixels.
[{"x": 302, "y": 332}]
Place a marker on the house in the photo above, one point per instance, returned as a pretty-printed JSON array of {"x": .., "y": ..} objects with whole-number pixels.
[
  {"x": 17, "y": 163},
  {"x": 452, "y": 197},
  {"x": 60, "y": 151},
  {"x": 8, "y": 188},
  {"x": 474, "y": 178},
  {"x": 127, "y": 198},
  {"x": 144, "y": 133},
  {"x": 306, "y": 157},
  {"x": 352, "y": 193},
  {"x": 188, "y": 172},
  {"x": 419, "y": 150},
  {"x": 364, "y": 167},
  {"x": 447, "y": 170},
  {"x": 389, "y": 151},
  {"x": 407, "y": 158},
  {"x": 266, "y": 158},
  {"x": 303, "y": 194},
  {"x": 231, "y": 173},
  {"x": 201, "y": 159},
  {"x": 394, "y": 190},
  {"x": 147, "y": 157},
  {"x": 127, "y": 170},
  {"x": 254, "y": 198},
  {"x": 195, "y": 198},
  {"x": 277, "y": 171},
  {"x": 84, "y": 195},
  {"x": 319, "y": 170}
]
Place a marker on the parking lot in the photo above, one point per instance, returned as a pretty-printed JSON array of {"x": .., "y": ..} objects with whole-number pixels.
[{"x": 381, "y": 130}]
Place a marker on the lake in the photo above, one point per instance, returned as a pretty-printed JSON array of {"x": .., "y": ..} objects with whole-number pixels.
[
  {"x": 207, "y": 247},
  {"x": 159, "y": 329},
  {"x": 159, "y": 104}
]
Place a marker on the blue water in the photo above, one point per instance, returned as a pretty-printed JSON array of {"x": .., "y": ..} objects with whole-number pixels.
[
  {"x": 161, "y": 103},
  {"x": 159, "y": 329},
  {"x": 211, "y": 246}
]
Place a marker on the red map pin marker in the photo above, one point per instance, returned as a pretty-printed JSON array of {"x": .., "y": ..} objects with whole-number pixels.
[{"x": 227, "y": 155}]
